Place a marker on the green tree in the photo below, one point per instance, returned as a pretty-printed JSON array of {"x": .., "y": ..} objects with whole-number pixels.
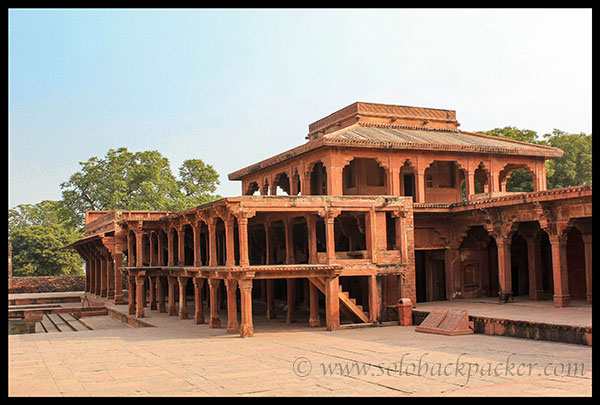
[
  {"x": 37, "y": 232},
  {"x": 136, "y": 181},
  {"x": 37, "y": 251},
  {"x": 574, "y": 168}
]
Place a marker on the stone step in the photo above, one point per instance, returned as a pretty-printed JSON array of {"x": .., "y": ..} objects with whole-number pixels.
[
  {"x": 48, "y": 325},
  {"x": 74, "y": 322}
]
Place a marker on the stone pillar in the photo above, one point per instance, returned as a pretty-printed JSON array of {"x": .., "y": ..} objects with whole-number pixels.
[
  {"x": 311, "y": 224},
  {"x": 139, "y": 249},
  {"x": 171, "y": 307},
  {"x": 170, "y": 249},
  {"x": 232, "y": 323},
  {"x": 332, "y": 303},
  {"x": 329, "y": 218},
  {"x": 504, "y": 268},
  {"x": 243, "y": 237},
  {"x": 212, "y": 242},
  {"x": 560, "y": 271},
  {"x": 131, "y": 294},
  {"x": 140, "y": 296},
  {"x": 118, "y": 278},
  {"x": 314, "y": 320},
  {"x": 198, "y": 307},
  {"x": 334, "y": 180},
  {"x": 470, "y": 183},
  {"x": 420, "y": 186},
  {"x": 181, "y": 246},
  {"x": 110, "y": 278},
  {"x": 98, "y": 274},
  {"x": 215, "y": 318},
  {"x": 88, "y": 272},
  {"x": 374, "y": 298},
  {"x": 229, "y": 243},
  {"x": 183, "y": 312},
  {"x": 270, "y": 299},
  {"x": 291, "y": 300},
  {"x": 160, "y": 294},
  {"x": 92, "y": 269},
  {"x": 152, "y": 282},
  {"x": 246, "y": 327}
]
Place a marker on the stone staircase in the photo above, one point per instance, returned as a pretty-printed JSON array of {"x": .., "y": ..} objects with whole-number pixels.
[
  {"x": 58, "y": 322},
  {"x": 348, "y": 306}
]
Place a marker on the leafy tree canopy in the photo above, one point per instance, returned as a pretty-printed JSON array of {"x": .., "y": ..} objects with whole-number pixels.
[
  {"x": 572, "y": 169},
  {"x": 137, "y": 181}
]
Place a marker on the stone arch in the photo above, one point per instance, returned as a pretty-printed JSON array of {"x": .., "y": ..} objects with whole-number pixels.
[
  {"x": 442, "y": 181},
  {"x": 408, "y": 172},
  {"x": 482, "y": 178},
  {"x": 364, "y": 176},
  {"x": 318, "y": 178},
  {"x": 509, "y": 169},
  {"x": 282, "y": 181}
]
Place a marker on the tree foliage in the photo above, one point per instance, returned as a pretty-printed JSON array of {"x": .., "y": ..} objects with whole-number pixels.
[
  {"x": 37, "y": 233},
  {"x": 120, "y": 180},
  {"x": 572, "y": 169},
  {"x": 137, "y": 181}
]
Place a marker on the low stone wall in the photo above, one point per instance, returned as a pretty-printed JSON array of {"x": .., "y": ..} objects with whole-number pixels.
[{"x": 46, "y": 284}]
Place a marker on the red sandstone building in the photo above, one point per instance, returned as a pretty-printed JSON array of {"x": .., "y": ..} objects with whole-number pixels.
[{"x": 379, "y": 204}]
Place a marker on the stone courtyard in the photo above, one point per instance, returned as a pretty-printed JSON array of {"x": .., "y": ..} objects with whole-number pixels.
[{"x": 179, "y": 358}]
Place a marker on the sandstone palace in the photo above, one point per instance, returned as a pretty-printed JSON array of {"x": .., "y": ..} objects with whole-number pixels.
[{"x": 382, "y": 202}]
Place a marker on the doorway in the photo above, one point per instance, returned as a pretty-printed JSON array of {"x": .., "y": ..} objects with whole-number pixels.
[{"x": 430, "y": 275}]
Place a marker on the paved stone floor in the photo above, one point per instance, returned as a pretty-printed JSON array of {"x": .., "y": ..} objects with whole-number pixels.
[{"x": 179, "y": 358}]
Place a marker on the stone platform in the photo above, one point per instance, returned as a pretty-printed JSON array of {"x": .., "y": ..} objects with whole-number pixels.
[{"x": 521, "y": 318}]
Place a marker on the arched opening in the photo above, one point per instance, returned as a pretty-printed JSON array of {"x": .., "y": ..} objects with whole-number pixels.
[
  {"x": 174, "y": 247},
  {"x": 576, "y": 264},
  {"x": 154, "y": 252},
  {"x": 364, "y": 176},
  {"x": 475, "y": 267},
  {"x": 282, "y": 182},
  {"x": 349, "y": 232},
  {"x": 257, "y": 245},
  {"x": 442, "y": 182},
  {"x": 252, "y": 189},
  {"x": 300, "y": 240},
  {"x": 318, "y": 180},
  {"x": 188, "y": 246},
  {"x": 519, "y": 265},
  {"x": 493, "y": 281},
  {"x": 481, "y": 179},
  {"x": 516, "y": 178},
  {"x": 407, "y": 180}
]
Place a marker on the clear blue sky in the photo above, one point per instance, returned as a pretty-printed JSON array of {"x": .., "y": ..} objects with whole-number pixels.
[{"x": 233, "y": 87}]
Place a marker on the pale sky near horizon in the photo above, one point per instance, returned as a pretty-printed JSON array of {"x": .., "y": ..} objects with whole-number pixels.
[{"x": 233, "y": 87}]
